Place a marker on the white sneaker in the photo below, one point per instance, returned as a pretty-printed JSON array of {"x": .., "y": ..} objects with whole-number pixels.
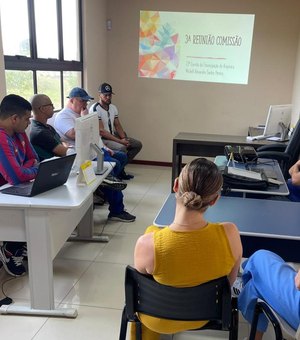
[{"x": 237, "y": 287}]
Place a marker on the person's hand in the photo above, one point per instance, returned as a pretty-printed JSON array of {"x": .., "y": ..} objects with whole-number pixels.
[
  {"x": 110, "y": 151},
  {"x": 67, "y": 145},
  {"x": 297, "y": 280},
  {"x": 125, "y": 142},
  {"x": 295, "y": 168},
  {"x": 84, "y": 112},
  {"x": 294, "y": 171}
]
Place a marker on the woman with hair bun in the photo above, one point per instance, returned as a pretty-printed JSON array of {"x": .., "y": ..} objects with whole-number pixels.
[{"x": 191, "y": 250}]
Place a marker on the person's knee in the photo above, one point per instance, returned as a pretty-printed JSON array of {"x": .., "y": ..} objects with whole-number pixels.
[
  {"x": 138, "y": 145},
  {"x": 264, "y": 255}
]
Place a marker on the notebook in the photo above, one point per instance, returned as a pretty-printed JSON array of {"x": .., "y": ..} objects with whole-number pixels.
[{"x": 51, "y": 173}]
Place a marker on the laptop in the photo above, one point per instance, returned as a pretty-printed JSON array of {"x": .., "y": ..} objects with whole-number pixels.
[{"x": 51, "y": 174}]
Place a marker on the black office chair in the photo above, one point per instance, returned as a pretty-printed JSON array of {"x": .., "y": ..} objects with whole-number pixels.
[
  {"x": 281, "y": 328},
  {"x": 208, "y": 301},
  {"x": 286, "y": 155}
]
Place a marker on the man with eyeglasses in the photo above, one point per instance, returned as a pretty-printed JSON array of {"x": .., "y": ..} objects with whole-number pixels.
[
  {"x": 65, "y": 125},
  {"x": 110, "y": 127},
  {"x": 43, "y": 136}
]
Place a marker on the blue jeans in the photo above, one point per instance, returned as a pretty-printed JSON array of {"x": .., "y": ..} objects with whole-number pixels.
[
  {"x": 115, "y": 198},
  {"x": 119, "y": 157},
  {"x": 294, "y": 191}
]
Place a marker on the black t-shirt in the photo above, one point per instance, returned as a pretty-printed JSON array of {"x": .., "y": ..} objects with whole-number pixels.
[{"x": 44, "y": 139}]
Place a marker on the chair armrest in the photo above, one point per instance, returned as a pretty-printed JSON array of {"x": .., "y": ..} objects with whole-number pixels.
[
  {"x": 274, "y": 318},
  {"x": 279, "y": 156},
  {"x": 272, "y": 147}
]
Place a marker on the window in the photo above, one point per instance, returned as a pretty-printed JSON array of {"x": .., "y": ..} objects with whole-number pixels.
[{"x": 43, "y": 49}]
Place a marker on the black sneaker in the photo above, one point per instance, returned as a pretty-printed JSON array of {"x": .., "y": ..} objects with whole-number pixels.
[
  {"x": 122, "y": 217},
  {"x": 125, "y": 176},
  {"x": 12, "y": 263},
  {"x": 113, "y": 184}
]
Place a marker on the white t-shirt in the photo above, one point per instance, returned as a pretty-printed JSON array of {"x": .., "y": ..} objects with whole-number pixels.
[
  {"x": 104, "y": 115},
  {"x": 64, "y": 122}
]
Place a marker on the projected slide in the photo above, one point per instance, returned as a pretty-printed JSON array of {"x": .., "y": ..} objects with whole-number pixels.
[{"x": 207, "y": 47}]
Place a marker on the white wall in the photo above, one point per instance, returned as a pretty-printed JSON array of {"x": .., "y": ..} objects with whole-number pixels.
[
  {"x": 94, "y": 44},
  {"x": 156, "y": 110},
  {"x": 296, "y": 91},
  {"x": 2, "y": 70}
]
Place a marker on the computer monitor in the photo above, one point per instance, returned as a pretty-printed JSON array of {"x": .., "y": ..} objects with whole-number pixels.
[
  {"x": 278, "y": 120},
  {"x": 88, "y": 144}
]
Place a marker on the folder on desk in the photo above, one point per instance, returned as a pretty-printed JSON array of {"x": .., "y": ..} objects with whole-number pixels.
[{"x": 236, "y": 178}]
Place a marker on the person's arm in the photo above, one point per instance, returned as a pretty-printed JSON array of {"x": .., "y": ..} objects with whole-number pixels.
[
  {"x": 107, "y": 135},
  {"x": 119, "y": 128},
  {"x": 120, "y": 131},
  {"x": 235, "y": 243},
  {"x": 10, "y": 168},
  {"x": 70, "y": 134},
  {"x": 65, "y": 125},
  {"x": 294, "y": 171},
  {"x": 144, "y": 254},
  {"x": 60, "y": 150}
]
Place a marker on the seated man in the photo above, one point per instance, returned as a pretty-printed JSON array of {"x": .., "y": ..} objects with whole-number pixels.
[
  {"x": 65, "y": 125},
  {"x": 111, "y": 130},
  {"x": 18, "y": 163}
]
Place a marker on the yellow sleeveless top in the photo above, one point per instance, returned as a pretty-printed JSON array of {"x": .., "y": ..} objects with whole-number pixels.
[{"x": 186, "y": 259}]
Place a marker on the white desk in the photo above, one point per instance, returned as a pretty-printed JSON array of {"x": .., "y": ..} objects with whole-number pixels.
[{"x": 45, "y": 222}]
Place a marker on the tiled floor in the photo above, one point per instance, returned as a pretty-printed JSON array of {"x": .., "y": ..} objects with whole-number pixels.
[{"x": 90, "y": 276}]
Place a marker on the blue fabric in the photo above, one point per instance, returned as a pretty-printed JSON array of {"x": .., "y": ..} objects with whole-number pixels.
[
  {"x": 119, "y": 157},
  {"x": 294, "y": 191},
  {"x": 114, "y": 199},
  {"x": 268, "y": 277}
]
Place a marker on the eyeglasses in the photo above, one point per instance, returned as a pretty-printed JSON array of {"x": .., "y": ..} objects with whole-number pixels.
[{"x": 50, "y": 104}]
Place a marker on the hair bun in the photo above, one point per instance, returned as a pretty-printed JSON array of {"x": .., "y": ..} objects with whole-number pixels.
[{"x": 192, "y": 200}]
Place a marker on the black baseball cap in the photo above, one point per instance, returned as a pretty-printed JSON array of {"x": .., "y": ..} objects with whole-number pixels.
[{"x": 105, "y": 88}]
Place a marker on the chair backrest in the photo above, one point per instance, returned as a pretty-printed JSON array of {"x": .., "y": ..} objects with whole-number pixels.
[
  {"x": 285, "y": 155},
  {"x": 208, "y": 301}
]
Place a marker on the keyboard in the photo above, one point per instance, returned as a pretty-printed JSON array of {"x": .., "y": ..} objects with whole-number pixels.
[
  {"x": 259, "y": 137},
  {"x": 23, "y": 189}
]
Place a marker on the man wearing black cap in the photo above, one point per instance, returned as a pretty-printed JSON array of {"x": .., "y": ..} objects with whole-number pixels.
[{"x": 111, "y": 130}]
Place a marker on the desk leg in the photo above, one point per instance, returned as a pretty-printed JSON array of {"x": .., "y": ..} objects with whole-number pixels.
[
  {"x": 85, "y": 228},
  {"x": 176, "y": 163},
  {"x": 40, "y": 266}
]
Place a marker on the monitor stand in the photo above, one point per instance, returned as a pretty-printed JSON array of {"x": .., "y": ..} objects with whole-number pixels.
[{"x": 100, "y": 170}]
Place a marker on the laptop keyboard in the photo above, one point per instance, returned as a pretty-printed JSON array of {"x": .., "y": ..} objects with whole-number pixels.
[{"x": 24, "y": 189}]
